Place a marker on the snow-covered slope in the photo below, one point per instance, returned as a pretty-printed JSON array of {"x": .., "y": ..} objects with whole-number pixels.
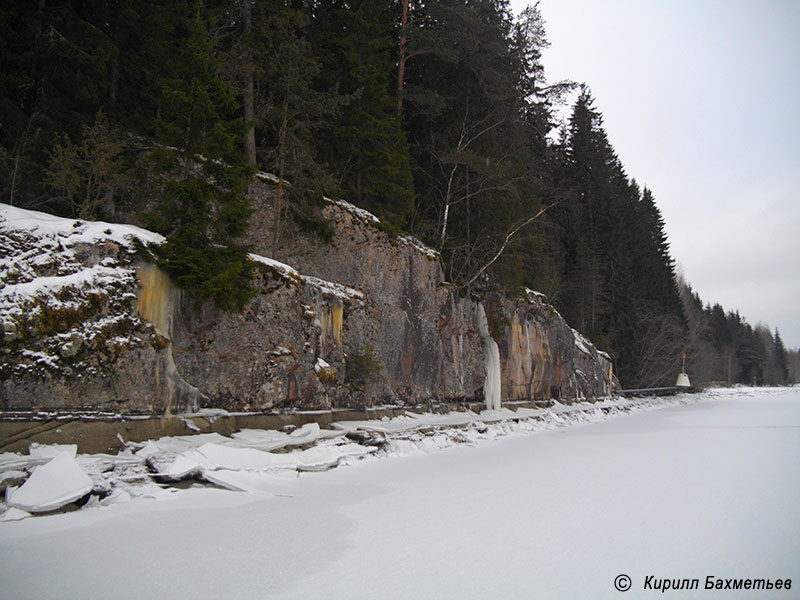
[{"x": 67, "y": 290}]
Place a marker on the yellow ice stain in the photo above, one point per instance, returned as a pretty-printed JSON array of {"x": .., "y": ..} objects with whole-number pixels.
[{"x": 156, "y": 296}]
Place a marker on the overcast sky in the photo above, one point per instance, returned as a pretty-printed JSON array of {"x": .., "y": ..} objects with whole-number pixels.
[{"x": 701, "y": 101}]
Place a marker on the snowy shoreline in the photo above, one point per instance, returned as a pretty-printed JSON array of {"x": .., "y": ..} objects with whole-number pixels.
[
  {"x": 156, "y": 469},
  {"x": 676, "y": 492}
]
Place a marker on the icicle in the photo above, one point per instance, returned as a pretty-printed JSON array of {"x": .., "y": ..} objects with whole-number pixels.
[
  {"x": 155, "y": 303},
  {"x": 491, "y": 354},
  {"x": 330, "y": 317},
  {"x": 156, "y": 297},
  {"x": 337, "y": 316}
]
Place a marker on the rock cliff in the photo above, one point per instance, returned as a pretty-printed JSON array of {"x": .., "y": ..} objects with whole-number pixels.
[{"x": 363, "y": 319}]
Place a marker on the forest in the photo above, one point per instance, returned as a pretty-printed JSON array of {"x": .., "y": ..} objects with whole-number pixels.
[{"x": 436, "y": 115}]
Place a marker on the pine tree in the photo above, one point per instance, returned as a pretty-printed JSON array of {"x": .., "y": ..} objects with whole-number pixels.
[{"x": 366, "y": 147}]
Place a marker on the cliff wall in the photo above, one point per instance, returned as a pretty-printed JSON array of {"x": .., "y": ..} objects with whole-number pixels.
[{"x": 362, "y": 320}]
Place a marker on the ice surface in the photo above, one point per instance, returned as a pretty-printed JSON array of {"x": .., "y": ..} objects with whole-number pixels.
[
  {"x": 52, "y": 485},
  {"x": 710, "y": 477},
  {"x": 116, "y": 497},
  {"x": 258, "y": 436},
  {"x": 307, "y": 431},
  {"x": 706, "y": 485}
]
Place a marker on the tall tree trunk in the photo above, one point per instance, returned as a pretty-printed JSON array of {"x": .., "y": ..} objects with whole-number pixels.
[
  {"x": 280, "y": 200},
  {"x": 249, "y": 117},
  {"x": 249, "y": 96},
  {"x": 401, "y": 63}
]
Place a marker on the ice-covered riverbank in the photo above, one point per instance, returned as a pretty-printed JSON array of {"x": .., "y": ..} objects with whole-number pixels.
[{"x": 705, "y": 486}]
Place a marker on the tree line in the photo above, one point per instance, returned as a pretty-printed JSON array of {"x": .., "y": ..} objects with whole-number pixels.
[{"x": 436, "y": 115}]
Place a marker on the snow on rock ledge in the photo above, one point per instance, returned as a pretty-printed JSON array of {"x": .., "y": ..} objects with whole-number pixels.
[{"x": 291, "y": 275}]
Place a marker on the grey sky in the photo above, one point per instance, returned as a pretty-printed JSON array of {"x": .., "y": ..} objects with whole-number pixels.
[{"x": 701, "y": 101}]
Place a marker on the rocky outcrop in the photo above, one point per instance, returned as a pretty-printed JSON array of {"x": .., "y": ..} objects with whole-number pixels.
[{"x": 361, "y": 320}]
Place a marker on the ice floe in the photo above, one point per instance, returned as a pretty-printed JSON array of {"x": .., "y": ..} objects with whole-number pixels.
[{"x": 52, "y": 485}]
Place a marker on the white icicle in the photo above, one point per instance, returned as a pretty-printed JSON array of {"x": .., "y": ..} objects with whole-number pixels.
[{"x": 491, "y": 354}]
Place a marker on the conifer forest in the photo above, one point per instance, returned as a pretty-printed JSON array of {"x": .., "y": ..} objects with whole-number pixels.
[{"x": 435, "y": 115}]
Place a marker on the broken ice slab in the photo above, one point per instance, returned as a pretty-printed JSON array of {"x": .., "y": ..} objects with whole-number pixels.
[
  {"x": 185, "y": 465},
  {"x": 322, "y": 458},
  {"x": 227, "y": 457},
  {"x": 52, "y": 485},
  {"x": 237, "y": 481},
  {"x": 318, "y": 458}
]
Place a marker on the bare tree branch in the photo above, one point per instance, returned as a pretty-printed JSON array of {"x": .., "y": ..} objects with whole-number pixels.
[{"x": 506, "y": 241}]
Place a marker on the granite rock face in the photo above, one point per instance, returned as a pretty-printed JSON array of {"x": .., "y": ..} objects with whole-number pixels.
[{"x": 361, "y": 320}]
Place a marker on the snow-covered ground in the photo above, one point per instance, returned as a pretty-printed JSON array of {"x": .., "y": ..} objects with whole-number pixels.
[{"x": 555, "y": 505}]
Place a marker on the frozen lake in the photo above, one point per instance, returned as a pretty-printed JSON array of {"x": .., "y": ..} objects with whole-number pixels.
[{"x": 710, "y": 488}]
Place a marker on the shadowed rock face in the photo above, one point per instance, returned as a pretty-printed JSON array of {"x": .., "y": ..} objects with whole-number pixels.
[{"x": 363, "y": 320}]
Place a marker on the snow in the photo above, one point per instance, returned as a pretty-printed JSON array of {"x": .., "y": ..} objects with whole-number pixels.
[
  {"x": 96, "y": 276},
  {"x": 553, "y": 505},
  {"x": 268, "y": 177},
  {"x": 282, "y": 268},
  {"x": 184, "y": 465},
  {"x": 15, "y": 514},
  {"x": 335, "y": 289},
  {"x": 534, "y": 296},
  {"x": 362, "y": 214},
  {"x": 216, "y": 456},
  {"x": 46, "y": 269},
  {"x": 326, "y": 287},
  {"x": 419, "y": 246},
  {"x": 72, "y": 231},
  {"x": 582, "y": 343},
  {"x": 236, "y": 481},
  {"x": 52, "y": 485}
]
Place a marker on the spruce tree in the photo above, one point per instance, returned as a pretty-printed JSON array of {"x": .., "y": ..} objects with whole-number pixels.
[
  {"x": 781, "y": 359},
  {"x": 203, "y": 208}
]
